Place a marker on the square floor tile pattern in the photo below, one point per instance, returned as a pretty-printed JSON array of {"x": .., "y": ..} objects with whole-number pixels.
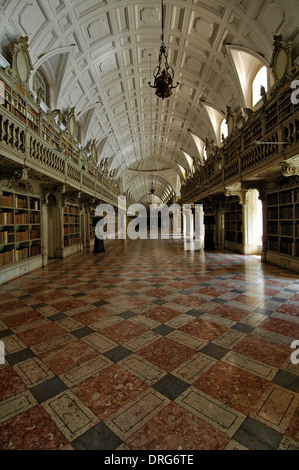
[{"x": 148, "y": 346}]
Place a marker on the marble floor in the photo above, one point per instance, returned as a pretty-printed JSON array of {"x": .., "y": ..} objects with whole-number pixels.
[{"x": 149, "y": 346}]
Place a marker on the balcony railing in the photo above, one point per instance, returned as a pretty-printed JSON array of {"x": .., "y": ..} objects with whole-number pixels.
[
  {"x": 269, "y": 137},
  {"x": 29, "y": 135}
]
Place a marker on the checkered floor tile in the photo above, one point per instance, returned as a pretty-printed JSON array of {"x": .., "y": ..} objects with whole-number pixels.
[{"x": 148, "y": 346}]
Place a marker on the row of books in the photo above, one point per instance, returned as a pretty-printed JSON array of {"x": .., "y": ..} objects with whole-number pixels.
[
  {"x": 6, "y": 200},
  {"x": 276, "y": 229},
  {"x": 71, "y": 210},
  {"x": 11, "y": 256},
  {"x": 21, "y": 203},
  {"x": 286, "y": 212},
  {"x": 22, "y": 218},
  {"x": 70, "y": 230},
  {"x": 71, "y": 219},
  {"x": 6, "y": 218},
  {"x": 71, "y": 241},
  {"x": 7, "y": 237},
  {"x": 22, "y": 236}
]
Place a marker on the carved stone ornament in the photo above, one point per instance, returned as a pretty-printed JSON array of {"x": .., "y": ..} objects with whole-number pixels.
[
  {"x": 18, "y": 181},
  {"x": 21, "y": 62},
  {"x": 237, "y": 190},
  {"x": 290, "y": 169},
  {"x": 230, "y": 120},
  {"x": 93, "y": 151},
  {"x": 281, "y": 62},
  {"x": 72, "y": 122}
]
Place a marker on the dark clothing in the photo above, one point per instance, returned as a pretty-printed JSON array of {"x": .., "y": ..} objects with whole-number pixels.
[{"x": 98, "y": 244}]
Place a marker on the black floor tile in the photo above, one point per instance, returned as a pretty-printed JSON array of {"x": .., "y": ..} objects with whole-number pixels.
[
  {"x": 118, "y": 353},
  {"x": 48, "y": 389},
  {"x": 170, "y": 386},
  {"x": 100, "y": 437},
  {"x": 287, "y": 380},
  {"x": 257, "y": 436}
]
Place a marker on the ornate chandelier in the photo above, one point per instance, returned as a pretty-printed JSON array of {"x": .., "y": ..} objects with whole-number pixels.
[{"x": 163, "y": 78}]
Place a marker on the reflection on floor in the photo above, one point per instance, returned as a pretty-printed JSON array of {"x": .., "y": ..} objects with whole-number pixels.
[{"x": 148, "y": 346}]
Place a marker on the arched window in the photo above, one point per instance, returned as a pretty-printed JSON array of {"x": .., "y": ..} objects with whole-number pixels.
[
  {"x": 41, "y": 83},
  {"x": 261, "y": 79},
  {"x": 223, "y": 130}
]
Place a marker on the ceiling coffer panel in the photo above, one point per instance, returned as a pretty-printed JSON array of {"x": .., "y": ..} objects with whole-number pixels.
[{"x": 108, "y": 51}]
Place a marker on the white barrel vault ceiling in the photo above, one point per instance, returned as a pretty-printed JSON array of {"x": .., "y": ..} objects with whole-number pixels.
[{"x": 99, "y": 56}]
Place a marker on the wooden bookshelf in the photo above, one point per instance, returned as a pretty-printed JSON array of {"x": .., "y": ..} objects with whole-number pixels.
[
  {"x": 20, "y": 227},
  {"x": 282, "y": 221},
  {"x": 71, "y": 225},
  {"x": 233, "y": 221},
  {"x": 17, "y": 105}
]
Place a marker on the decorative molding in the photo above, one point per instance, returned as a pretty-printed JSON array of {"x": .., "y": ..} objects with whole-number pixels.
[
  {"x": 237, "y": 190},
  {"x": 290, "y": 169},
  {"x": 230, "y": 120},
  {"x": 21, "y": 64},
  {"x": 281, "y": 61}
]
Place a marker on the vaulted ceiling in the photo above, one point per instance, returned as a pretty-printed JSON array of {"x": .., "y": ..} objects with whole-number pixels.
[{"x": 99, "y": 56}]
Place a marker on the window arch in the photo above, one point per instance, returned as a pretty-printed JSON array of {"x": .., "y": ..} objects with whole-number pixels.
[
  {"x": 260, "y": 79},
  {"x": 41, "y": 83},
  {"x": 223, "y": 130}
]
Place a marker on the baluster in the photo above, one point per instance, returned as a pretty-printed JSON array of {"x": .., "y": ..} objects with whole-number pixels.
[
  {"x": 11, "y": 133},
  {"x": 22, "y": 141}
]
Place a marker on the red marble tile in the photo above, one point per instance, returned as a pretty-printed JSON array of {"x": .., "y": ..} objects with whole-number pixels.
[
  {"x": 198, "y": 279},
  {"x": 277, "y": 283},
  {"x": 22, "y": 318},
  {"x": 282, "y": 327},
  {"x": 91, "y": 316},
  {"x": 11, "y": 383},
  {"x": 182, "y": 285},
  {"x": 161, "y": 314},
  {"x": 203, "y": 329},
  {"x": 234, "y": 387},
  {"x": 11, "y": 305},
  {"x": 110, "y": 389},
  {"x": 214, "y": 292},
  {"x": 40, "y": 334},
  {"x": 66, "y": 305},
  {"x": 31, "y": 430},
  {"x": 166, "y": 353},
  {"x": 131, "y": 286},
  {"x": 158, "y": 292},
  {"x": 123, "y": 331},
  {"x": 188, "y": 301},
  {"x": 289, "y": 309},
  {"x": 249, "y": 299},
  {"x": 232, "y": 313},
  {"x": 263, "y": 350},
  {"x": 293, "y": 428},
  {"x": 35, "y": 289},
  {"x": 50, "y": 295},
  {"x": 63, "y": 358},
  {"x": 174, "y": 429}
]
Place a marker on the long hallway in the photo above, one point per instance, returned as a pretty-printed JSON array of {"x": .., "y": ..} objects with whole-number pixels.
[{"x": 149, "y": 346}]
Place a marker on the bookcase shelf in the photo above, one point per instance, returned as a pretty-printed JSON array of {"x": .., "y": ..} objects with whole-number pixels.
[
  {"x": 20, "y": 227},
  {"x": 16, "y": 104},
  {"x": 282, "y": 221},
  {"x": 71, "y": 225},
  {"x": 233, "y": 221}
]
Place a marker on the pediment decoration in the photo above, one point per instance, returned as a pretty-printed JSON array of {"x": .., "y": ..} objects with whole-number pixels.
[
  {"x": 230, "y": 120},
  {"x": 238, "y": 191},
  {"x": 281, "y": 62},
  {"x": 71, "y": 123},
  {"x": 21, "y": 63}
]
